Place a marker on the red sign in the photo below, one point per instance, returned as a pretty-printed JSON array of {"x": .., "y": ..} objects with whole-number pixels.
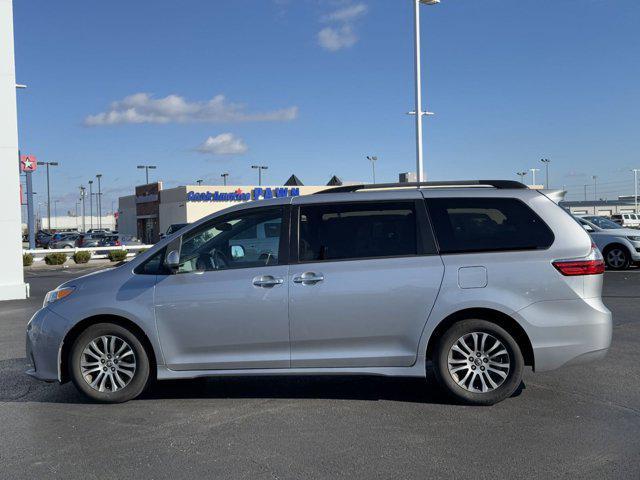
[{"x": 28, "y": 163}]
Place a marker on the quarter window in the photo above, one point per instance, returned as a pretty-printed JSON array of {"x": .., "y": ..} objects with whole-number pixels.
[
  {"x": 357, "y": 230},
  {"x": 487, "y": 224}
]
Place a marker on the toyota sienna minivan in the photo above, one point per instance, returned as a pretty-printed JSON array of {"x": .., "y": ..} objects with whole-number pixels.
[{"x": 475, "y": 279}]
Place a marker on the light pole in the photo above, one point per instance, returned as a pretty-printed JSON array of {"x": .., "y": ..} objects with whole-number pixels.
[
  {"x": 373, "y": 166},
  {"x": 418, "y": 80},
  {"x": 55, "y": 210},
  {"x": 522, "y": 175},
  {"x": 99, "y": 201},
  {"x": 82, "y": 197},
  {"x": 546, "y": 162},
  {"x": 199, "y": 182},
  {"x": 91, "y": 204},
  {"x": 146, "y": 170},
  {"x": 260, "y": 168},
  {"x": 635, "y": 188},
  {"x": 53, "y": 164},
  {"x": 224, "y": 178},
  {"x": 595, "y": 189},
  {"x": 585, "y": 192},
  {"x": 533, "y": 173}
]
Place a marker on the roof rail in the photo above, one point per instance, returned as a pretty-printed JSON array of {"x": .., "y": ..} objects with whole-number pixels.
[{"x": 499, "y": 184}]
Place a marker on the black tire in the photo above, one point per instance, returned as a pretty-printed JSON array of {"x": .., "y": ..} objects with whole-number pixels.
[
  {"x": 617, "y": 257},
  {"x": 462, "y": 394},
  {"x": 136, "y": 384}
]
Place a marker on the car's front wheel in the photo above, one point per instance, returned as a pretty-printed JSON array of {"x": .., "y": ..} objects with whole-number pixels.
[
  {"x": 109, "y": 364},
  {"x": 617, "y": 258},
  {"x": 478, "y": 362}
]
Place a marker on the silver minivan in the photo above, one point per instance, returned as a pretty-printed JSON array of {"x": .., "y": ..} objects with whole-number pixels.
[{"x": 475, "y": 279}]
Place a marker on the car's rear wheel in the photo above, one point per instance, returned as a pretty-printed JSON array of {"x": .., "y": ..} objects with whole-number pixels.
[
  {"x": 617, "y": 258},
  {"x": 108, "y": 363},
  {"x": 477, "y": 362}
]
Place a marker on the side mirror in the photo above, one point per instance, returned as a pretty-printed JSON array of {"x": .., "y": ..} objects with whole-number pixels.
[
  {"x": 237, "y": 251},
  {"x": 587, "y": 228},
  {"x": 172, "y": 260}
]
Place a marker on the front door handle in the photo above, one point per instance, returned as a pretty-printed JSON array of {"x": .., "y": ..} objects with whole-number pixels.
[
  {"x": 267, "y": 281},
  {"x": 308, "y": 278}
]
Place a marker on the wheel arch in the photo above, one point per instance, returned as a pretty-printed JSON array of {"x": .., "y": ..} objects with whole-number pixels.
[
  {"x": 81, "y": 326},
  {"x": 499, "y": 318}
]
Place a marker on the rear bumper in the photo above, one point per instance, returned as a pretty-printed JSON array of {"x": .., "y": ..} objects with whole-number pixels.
[{"x": 567, "y": 331}]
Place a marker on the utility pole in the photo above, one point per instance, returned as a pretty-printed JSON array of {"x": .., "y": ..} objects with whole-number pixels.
[
  {"x": 595, "y": 189},
  {"x": 99, "y": 201},
  {"x": 224, "y": 178},
  {"x": 533, "y": 173},
  {"x": 635, "y": 188},
  {"x": 91, "y": 203},
  {"x": 260, "y": 168},
  {"x": 546, "y": 162},
  {"x": 373, "y": 166},
  {"x": 146, "y": 170},
  {"x": 47, "y": 164}
]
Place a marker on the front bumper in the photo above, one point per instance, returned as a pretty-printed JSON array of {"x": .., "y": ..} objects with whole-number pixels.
[
  {"x": 45, "y": 332},
  {"x": 567, "y": 331}
]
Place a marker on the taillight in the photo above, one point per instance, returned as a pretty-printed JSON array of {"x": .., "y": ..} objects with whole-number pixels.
[
  {"x": 593, "y": 264},
  {"x": 118, "y": 244}
]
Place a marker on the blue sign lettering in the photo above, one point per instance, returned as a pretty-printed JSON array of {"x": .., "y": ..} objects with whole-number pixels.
[{"x": 257, "y": 193}]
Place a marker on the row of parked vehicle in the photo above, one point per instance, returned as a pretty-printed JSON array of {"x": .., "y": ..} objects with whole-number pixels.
[
  {"x": 91, "y": 238},
  {"x": 627, "y": 220}
]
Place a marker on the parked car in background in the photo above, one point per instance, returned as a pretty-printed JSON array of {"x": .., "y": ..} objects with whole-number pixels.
[
  {"x": 63, "y": 240},
  {"x": 100, "y": 231},
  {"x": 620, "y": 246},
  {"x": 477, "y": 279},
  {"x": 628, "y": 220},
  {"x": 88, "y": 240},
  {"x": 42, "y": 239}
]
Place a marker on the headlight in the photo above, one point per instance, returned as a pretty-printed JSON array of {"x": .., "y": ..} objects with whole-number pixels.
[
  {"x": 57, "y": 294},
  {"x": 634, "y": 239}
]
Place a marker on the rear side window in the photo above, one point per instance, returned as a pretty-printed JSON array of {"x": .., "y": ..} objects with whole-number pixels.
[
  {"x": 357, "y": 230},
  {"x": 487, "y": 224}
]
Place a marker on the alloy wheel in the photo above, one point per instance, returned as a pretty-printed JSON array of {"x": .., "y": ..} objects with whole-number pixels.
[
  {"x": 108, "y": 363},
  {"x": 616, "y": 258},
  {"x": 478, "y": 362}
]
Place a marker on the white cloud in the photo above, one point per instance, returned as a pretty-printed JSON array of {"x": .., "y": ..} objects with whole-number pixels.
[
  {"x": 143, "y": 108},
  {"x": 337, "y": 38},
  {"x": 341, "y": 34},
  {"x": 346, "y": 14},
  {"x": 223, "y": 144}
]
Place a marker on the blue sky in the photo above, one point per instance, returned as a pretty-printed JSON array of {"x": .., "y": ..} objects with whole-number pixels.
[{"x": 313, "y": 86}]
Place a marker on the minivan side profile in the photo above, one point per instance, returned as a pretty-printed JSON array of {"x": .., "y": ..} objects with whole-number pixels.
[{"x": 477, "y": 280}]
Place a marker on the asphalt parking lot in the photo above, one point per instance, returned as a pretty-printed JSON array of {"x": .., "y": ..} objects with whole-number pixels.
[{"x": 581, "y": 421}]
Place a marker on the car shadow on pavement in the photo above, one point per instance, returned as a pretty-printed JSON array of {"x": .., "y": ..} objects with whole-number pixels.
[{"x": 16, "y": 386}]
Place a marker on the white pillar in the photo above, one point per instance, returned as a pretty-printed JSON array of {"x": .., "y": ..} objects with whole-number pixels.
[{"x": 12, "y": 284}]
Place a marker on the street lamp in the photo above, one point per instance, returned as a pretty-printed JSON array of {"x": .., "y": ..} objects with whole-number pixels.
[
  {"x": 533, "y": 173},
  {"x": 595, "y": 189},
  {"x": 418, "y": 81},
  {"x": 260, "y": 168},
  {"x": 82, "y": 197},
  {"x": 99, "y": 201},
  {"x": 199, "y": 182},
  {"x": 224, "y": 178},
  {"x": 522, "y": 175},
  {"x": 53, "y": 164},
  {"x": 546, "y": 162},
  {"x": 635, "y": 187},
  {"x": 373, "y": 166},
  {"x": 146, "y": 170},
  {"x": 91, "y": 204}
]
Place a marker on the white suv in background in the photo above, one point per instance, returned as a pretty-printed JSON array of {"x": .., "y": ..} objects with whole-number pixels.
[{"x": 620, "y": 246}]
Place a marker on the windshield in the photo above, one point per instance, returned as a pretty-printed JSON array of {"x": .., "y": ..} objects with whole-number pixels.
[{"x": 602, "y": 222}]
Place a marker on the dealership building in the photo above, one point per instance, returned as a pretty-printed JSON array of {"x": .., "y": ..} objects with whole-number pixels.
[{"x": 152, "y": 209}]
